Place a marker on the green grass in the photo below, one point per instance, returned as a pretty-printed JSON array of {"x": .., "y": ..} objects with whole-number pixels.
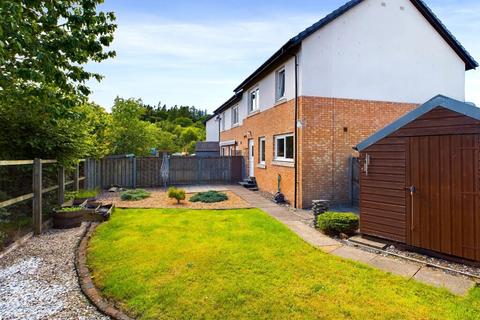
[{"x": 242, "y": 264}]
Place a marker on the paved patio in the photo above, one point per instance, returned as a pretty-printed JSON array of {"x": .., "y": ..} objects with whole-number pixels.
[{"x": 296, "y": 222}]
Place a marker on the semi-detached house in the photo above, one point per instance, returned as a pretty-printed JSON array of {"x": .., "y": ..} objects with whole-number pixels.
[{"x": 331, "y": 86}]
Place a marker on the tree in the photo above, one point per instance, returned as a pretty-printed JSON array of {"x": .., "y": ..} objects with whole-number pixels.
[
  {"x": 48, "y": 43},
  {"x": 128, "y": 133},
  {"x": 44, "y": 46}
]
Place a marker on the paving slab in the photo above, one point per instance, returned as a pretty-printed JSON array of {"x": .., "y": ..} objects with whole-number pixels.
[
  {"x": 437, "y": 278},
  {"x": 311, "y": 235},
  {"x": 328, "y": 249},
  {"x": 354, "y": 254},
  {"x": 395, "y": 266}
]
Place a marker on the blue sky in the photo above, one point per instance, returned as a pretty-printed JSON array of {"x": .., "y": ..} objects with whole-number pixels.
[{"x": 195, "y": 52}]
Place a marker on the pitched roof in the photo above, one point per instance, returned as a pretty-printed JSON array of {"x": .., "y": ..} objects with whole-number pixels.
[
  {"x": 466, "y": 109},
  {"x": 290, "y": 47}
]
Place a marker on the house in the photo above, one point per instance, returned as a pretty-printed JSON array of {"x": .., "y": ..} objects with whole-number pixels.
[
  {"x": 334, "y": 84},
  {"x": 419, "y": 179},
  {"x": 207, "y": 149}
]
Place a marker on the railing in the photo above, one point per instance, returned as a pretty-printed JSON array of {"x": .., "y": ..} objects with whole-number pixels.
[{"x": 38, "y": 189}]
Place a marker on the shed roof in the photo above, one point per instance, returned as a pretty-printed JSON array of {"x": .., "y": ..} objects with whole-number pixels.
[
  {"x": 464, "y": 108},
  {"x": 207, "y": 146}
]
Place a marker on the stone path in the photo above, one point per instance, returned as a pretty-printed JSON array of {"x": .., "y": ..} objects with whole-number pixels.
[{"x": 296, "y": 222}]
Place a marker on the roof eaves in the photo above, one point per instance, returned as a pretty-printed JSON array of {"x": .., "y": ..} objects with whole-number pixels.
[
  {"x": 437, "y": 101},
  {"x": 234, "y": 99},
  {"x": 438, "y": 25},
  {"x": 295, "y": 41}
]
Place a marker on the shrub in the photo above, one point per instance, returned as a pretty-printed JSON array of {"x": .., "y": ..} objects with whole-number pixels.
[
  {"x": 70, "y": 209},
  {"x": 134, "y": 195},
  {"x": 209, "y": 197},
  {"x": 338, "y": 222},
  {"x": 175, "y": 193}
]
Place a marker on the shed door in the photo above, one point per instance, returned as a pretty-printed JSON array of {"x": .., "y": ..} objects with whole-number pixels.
[{"x": 443, "y": 212}]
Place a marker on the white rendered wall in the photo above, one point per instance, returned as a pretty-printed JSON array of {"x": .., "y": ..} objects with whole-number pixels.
[
  {"x": 380, "y": 52},
  {"x": 212, "y": 129}
]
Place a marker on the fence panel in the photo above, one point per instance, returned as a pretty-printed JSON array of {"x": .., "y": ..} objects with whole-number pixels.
[{"x": 146, "y": 171}]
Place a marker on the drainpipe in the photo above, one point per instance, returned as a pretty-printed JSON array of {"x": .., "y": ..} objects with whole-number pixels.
[{"x": 295, "y": 163}]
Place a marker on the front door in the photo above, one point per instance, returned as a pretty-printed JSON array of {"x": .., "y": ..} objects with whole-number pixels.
[
  {"x": 251, "y": 159},
  {"x": 443, "y": 203}
]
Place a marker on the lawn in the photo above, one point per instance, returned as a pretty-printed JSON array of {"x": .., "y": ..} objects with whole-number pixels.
[{"x": 242, "y": 264}]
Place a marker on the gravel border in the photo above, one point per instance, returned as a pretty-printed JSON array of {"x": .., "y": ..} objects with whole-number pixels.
[
  {"x": 86, "y": 284},
  {"x": 38, "y": 279}
]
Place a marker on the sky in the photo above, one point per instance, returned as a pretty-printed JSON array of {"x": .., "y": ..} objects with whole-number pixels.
[{"x": 195, "y": 52}]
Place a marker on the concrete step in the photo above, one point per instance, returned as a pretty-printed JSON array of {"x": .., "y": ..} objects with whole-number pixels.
[{"x": 374, "y": 243}]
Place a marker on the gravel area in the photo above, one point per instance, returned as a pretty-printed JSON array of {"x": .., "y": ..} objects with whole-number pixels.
[
  {"x": 159, "y": 199},
  {"x": 38, "y": 280}
]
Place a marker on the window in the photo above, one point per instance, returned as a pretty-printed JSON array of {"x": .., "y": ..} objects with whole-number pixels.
[
  {"x": 253, "y": 100},
  {"x": 223, "y": 121},
  {"x": 261, "y": 155},
  {"x": 280, "y": 84},
  {"x": 235, "y": 115},
  {"x": 284, "y": 147}
]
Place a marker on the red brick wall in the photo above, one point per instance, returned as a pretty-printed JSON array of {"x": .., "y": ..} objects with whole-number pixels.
[
  {"x": 330, "y": 128},
  {"x": 324, "y": 147},
  {"x": 274, "y": 121}
]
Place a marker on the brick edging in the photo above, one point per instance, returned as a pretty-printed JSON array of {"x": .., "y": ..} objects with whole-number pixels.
[{"x": 85, "y": 280}]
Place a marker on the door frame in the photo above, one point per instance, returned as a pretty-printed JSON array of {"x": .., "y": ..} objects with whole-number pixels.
[{"x": 251, "y": 158}]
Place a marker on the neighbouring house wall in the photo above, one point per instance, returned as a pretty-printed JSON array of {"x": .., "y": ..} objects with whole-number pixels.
[
  {"x": 330, "y": 128},
  {"x": 382, "y": 50},
  {"x": 212, "y": 130},
  {"x": 273, "y": 121}
]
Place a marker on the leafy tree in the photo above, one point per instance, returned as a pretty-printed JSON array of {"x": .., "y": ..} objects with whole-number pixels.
[
  {"x": 48, "y": 42},
  {"x": 184, "y": 122},
  {"x": 128, "y": 133},
  {"x": 44, "y": 46}
]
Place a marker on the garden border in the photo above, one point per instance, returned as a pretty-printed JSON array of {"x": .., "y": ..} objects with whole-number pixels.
[{"x": 85, "y": 280}]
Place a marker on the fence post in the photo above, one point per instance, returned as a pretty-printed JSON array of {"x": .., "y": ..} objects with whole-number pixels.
[
  {"x": 61, "y": 185},
  {"x": 37, "y": 196},
  {"x": 76, "y": 177},
  {"x": 134, "y": 172}
]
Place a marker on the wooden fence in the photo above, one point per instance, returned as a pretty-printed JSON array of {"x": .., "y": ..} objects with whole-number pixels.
[
  {"x": 132, "y": 172},
  {"x": 39, "y": 190}
]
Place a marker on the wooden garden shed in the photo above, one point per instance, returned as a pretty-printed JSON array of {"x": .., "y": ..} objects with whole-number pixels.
[{"x": 419, "y": 180}]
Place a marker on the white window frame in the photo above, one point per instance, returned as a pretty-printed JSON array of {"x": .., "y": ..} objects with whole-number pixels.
[
  {"x": 235, "y": 112},
  {"x": 276, "y": 142},
  {"x": 251, "y": 106},
  {"x": 261, "y": 150},
  {"x": 277, "y": 84},
  {"x": 223, "y": 121}
]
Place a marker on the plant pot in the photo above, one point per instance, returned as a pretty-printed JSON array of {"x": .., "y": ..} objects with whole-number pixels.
[
  {"x": 67, "y": 220},
  {"x": 96, "y": 211}
]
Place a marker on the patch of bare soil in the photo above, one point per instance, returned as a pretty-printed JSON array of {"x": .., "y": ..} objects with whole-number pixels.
[{"x": 159, "y": 199}]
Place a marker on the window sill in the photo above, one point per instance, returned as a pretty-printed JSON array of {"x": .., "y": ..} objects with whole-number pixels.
[
  {"x": 280, "y": 101},
  {"x": 235, "y": 125},
  {"x": 255, "y": 112},
  {"x": 283, "y": 163},
  {"x": 261, "y": 166}
]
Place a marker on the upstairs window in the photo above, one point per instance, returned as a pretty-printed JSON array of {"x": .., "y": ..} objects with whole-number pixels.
[
  {"x": 253, "y": 100},
  {"x": 223, "y": 121},
  {"x": 280, "y": 84},
  {"x": 284, "y": 147},
  {"x": 235, "y": 115}
]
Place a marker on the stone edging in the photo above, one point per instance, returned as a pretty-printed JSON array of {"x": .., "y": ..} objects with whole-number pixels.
[{"x": 86, "y": 283}]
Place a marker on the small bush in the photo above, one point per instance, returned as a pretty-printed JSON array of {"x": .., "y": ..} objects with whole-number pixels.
[
  {"x": 69, "y": 209},
  {"x": 134, "y": 195},
  {"x": 178, "y": 194},
  {"x": 338, "y": 222},
  {"x": 209, "y": 197}
]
